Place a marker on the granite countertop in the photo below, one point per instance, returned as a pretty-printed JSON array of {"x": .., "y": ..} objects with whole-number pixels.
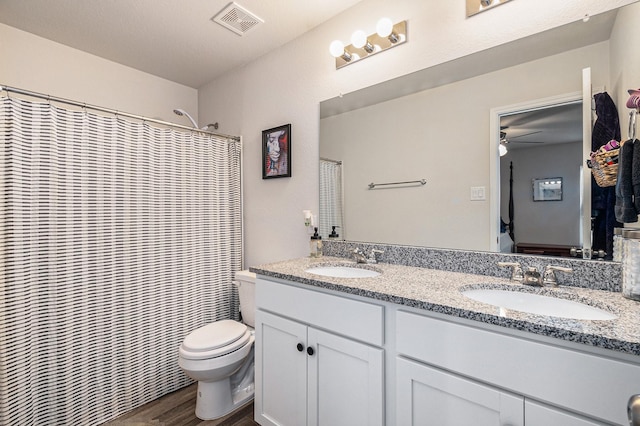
[{"x": 440, "y": 291}]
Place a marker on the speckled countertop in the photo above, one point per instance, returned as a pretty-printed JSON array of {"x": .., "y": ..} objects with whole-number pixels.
[{"x": 440, "y": 291}]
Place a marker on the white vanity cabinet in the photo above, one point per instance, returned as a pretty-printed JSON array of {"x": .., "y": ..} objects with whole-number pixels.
[
  {"x": 429, "y": 396},
  {"x": 538, "y": 414},
  {"x": 319, "y": 359},
  {"x": 461, "y": 374}
]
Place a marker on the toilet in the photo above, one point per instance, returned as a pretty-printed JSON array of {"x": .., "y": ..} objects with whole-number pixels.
[{"x": 220, "y": 357}]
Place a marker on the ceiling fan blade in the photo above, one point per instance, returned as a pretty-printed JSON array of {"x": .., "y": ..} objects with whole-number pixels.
[{"x": 525, "y": 134}]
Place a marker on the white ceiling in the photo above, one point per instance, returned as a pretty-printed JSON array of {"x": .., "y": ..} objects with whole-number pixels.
[
  {"x": 173, "y": 39},
  {"x": 558, "y": 124}
]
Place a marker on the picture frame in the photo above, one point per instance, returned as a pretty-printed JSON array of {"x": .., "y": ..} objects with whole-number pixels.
[
  {"x": 276, "y": 152},
  {"x": 547, "y": 189}
]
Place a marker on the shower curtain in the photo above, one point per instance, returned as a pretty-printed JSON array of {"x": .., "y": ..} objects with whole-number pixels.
[
  {"x": 331, "y": 213},
  {"x": 118, "y": 239}
]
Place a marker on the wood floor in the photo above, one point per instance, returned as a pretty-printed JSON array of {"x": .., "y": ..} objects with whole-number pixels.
[{"x": 178, "y": 409}]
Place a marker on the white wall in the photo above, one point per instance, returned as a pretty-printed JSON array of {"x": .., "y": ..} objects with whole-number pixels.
[
  {"x": 40, "y": 65},
  {"x": 625, "y": 68},
  {"x": 286, "y": 86},
  {"x": 625, "y": 61},
  {"x": 441, "y": 135}
]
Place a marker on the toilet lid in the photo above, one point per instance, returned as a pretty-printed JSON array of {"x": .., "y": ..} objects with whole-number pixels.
[{"x": 214, "y": 336}]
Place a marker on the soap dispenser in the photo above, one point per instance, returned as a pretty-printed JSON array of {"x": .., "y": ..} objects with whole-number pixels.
[
  {"x": 315, "y": 245},
  {"x": 333, "y": 235}
]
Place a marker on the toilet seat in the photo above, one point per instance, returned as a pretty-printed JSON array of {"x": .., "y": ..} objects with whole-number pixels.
[{"x": 215, "y": 340}]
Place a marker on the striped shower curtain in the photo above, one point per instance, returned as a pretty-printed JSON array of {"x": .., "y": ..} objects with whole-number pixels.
[
  {"x": 331, "y": 208},
  {"x": 117, "y": 239}
]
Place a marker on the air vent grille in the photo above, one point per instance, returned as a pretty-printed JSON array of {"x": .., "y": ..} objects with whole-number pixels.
[{"x": 237, "y": 19}]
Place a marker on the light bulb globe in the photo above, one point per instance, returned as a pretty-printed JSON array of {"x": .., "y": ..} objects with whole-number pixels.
[
  {"x": 359, "y": 39},
  {"x": 503, "y": 150},
  {"x": 384, "y": 28},
  {"x": 336, "y": 48}
]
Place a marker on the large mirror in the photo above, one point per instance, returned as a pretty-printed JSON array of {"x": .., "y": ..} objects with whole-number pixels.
[{"x": 434, "y": 126}]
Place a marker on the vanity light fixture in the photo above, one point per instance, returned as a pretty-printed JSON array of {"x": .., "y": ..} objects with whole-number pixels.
[
  {"x": 387, "y": 35},
  {"x": 359, "y": 40},
  {"x": 336, "y": 48},
  {"x": 477, "y": 6}
]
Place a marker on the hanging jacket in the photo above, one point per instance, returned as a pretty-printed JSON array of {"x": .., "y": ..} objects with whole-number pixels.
[
  {"x": 635, "y": 174},
  {"x": 625, "y": 209},
  {"x": 605, "y": 128},
  {"x": 607, "y": 125}
]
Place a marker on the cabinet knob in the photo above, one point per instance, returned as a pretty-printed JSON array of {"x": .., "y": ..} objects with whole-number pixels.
[
  {"x": 633, "y": 410},
  {"x": 310, "y": 350},
  {"x": 300, "y": 347}
]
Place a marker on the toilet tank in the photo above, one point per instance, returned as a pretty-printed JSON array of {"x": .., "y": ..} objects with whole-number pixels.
[{"x": 246, "y": 282}]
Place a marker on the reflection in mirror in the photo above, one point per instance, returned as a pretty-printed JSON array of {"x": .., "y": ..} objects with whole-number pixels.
[
  {"x": 331, "y": 212},
  {"x": 547, "y": 189},
  {"x": 434, "y": 125},
  {"x": 541, "y": 142}
]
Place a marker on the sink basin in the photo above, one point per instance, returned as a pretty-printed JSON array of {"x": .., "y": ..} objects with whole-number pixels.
[
  {"x": 342, "y": 272},
  {"x": 538, "y": 304}
]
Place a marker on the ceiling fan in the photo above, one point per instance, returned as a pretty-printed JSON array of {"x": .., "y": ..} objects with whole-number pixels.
[{"x": 505, "y": 140}]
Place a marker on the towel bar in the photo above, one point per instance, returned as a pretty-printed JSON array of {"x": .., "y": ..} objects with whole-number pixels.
[{"x": 421, "y": 182}]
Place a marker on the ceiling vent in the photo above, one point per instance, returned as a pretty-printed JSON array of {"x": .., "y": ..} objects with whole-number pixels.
[{"x": 237, "y": 19}]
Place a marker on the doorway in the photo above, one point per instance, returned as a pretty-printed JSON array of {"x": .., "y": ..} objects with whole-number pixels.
[{"x": 542, "y": 139}]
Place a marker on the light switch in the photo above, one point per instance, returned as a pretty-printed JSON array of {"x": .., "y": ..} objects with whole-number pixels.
[{"x": 478, "y": 193}]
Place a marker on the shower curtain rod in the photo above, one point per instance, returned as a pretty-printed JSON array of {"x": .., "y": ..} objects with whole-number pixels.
[
  {"x": 49, "y": 98},
  {"x": 331, "y": 161}
]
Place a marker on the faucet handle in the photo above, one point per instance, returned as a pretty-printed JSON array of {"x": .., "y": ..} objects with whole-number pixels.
[
  {"x": 372, "y": 256},
  {"x": 549, "y": 276},
  {"x": 359, "y": 256},
  {"x": 517, "y": 274}
]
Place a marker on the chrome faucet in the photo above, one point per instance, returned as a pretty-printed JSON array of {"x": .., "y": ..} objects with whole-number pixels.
[
  {"x": 372, "y": 256},
  {"x": 516, "y": 274},
  {"x": 532, "y": 277},
  {"x": 359, "y": 256},
  {"x": 549, "y": 277}
]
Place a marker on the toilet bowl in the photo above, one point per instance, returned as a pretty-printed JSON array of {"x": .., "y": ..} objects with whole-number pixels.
[{"x": 220, "y": 357}]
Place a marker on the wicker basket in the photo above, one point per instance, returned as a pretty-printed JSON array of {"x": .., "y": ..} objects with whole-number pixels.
[{"x": 604, "y": 167}]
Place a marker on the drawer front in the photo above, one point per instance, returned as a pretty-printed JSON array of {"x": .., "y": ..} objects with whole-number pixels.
[
  {"x": 585, "y": 383},
  {"x": 352, "y": 318}
]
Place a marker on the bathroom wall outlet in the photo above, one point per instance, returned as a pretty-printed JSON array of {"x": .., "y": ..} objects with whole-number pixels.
[{"x": 478, "y": 193}]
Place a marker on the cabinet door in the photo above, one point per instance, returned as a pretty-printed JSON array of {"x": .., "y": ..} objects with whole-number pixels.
[
  {"x": 346, "y": 382},
  {"x": 281, "y": 371},
  {"x": 541, "y": 415},
  {"x": 427, "y": 396}
]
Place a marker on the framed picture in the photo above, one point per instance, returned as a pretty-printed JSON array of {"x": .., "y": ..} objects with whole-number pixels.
[
  {"x": 547, "y": 189},
  {"x": 276, "y": 152}
]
